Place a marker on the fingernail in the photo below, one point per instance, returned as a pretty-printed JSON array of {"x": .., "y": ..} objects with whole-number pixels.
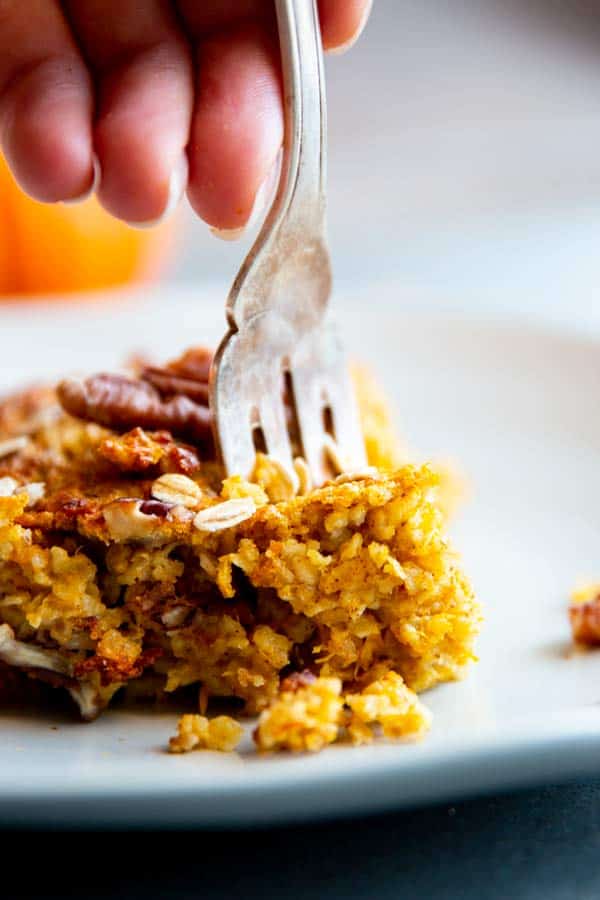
[
  {"x": 74, "y": 201},
  {"x": 228, "y": 234},
  {"x": 177, "y": 185},
  {"x": 337, "y": 51},
  {"x": 262, "y": 201},
  {"x": 266, "y": 192}
]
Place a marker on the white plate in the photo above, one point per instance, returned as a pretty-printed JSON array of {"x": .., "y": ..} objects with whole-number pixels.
[{"x": 517, "y": 406}]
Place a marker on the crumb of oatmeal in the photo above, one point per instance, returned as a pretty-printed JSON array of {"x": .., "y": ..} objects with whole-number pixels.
[
  {"x": 311, "y": 712},
  {"x": 195, "y": 732},
  {"x": 303, "y": 717},
  {"x": 584, "y": 613},
  {"x": 390, "y": 704}
]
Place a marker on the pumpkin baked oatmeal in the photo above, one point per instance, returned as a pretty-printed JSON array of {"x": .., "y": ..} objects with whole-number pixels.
[{"x": 129, "y": 563}]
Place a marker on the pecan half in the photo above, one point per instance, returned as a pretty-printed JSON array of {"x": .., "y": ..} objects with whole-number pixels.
[
  {"x": 585, "y": 621},
  {"x": 187, "y": 375},
  {"x": 122, "y": 403},
  {"x": 170, "y": 385},
  {"x": 194, "y": 363}
]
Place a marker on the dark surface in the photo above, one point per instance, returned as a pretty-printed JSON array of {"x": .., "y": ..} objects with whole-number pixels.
[{"x": 542, "y": 844}]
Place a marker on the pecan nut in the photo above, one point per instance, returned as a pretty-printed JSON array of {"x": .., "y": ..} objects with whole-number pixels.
[
  {"x": 122, "y": 403},
  {"x": 187, "y": 375},
  {"x": 170, "y": 385},
  {"x": 585, "y": 621},
  {"x": 130, "y": 520},
  {"x": 195, "y": 363}
]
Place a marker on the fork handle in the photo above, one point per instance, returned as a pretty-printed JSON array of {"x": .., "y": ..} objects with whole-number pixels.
[
  {"x": 305, "y": 145},
  {"x": 297, "y": 216}
]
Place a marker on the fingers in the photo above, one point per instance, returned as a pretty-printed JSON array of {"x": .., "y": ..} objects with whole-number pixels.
[
  {"x": 45, "y": 101},
  {"x": 342, "y": 22},
  {"x": 237, "y": 126},
  {"x": 143, "y": 69}
]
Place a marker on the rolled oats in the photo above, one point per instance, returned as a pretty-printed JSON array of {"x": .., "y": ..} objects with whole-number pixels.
[
  {"x": 225, "y": 515},
  {"x": 305, "y": 482},
  {"x": 177, "y": 489},
  {"x": 8, "y": 486},
  {"x": 333, "y": 453},
  {"x": 278, "y": 483}
]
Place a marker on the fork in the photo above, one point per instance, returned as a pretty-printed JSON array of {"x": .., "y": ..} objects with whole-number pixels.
[{"x": 277, "y": 306}]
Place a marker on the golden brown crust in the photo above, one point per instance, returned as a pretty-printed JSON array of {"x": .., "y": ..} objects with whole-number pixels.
[{"x": 138, "y": 450}]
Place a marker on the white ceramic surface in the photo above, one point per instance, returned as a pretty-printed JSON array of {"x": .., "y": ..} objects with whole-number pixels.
[{"x": 517, "y": 407}]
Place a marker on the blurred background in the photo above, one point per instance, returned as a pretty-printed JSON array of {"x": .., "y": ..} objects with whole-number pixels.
[{"x": 464, "y": 169}]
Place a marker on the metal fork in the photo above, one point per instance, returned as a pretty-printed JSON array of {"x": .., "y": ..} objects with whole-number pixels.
[{"x": 277, "y": 305}]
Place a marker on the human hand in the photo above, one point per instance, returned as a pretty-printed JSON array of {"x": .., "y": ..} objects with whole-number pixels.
[{"x": 163, "y": 93}]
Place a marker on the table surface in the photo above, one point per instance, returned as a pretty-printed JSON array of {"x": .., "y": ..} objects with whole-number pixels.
[{"x": 535, "y": 844}]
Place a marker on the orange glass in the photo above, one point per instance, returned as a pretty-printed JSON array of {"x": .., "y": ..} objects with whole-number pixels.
[{"x": 53, "y": 248}]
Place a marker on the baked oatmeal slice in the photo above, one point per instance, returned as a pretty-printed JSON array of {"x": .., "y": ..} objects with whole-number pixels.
[{"x": 127, "y": 560}]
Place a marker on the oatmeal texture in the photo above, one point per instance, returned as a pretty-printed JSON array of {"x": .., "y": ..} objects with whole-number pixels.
[
  {"x": 307, "y": 717},
  {"x": 196, "y": 732},
  {"x": 134, "y": 566},
  {"x": 311, "y": 712}
]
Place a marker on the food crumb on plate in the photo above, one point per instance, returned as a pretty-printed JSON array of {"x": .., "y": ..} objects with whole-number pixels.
[
  {"x": 196, "y": 732},
  {"x": 584, "y": 613}
]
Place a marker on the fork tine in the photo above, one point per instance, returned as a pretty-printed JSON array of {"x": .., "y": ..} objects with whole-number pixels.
[
  {"x": 309, "y": 398},
  {"x": 232, "y": 410},
  {"x": 346, "y": 423},
  {"x": 274, "y": 425},
  {"x": 321, "y": 380},
  {"x": 277, "y": 303},
  {"x": 309, "y": 411},
  {"x": 344, "y": 411}
]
